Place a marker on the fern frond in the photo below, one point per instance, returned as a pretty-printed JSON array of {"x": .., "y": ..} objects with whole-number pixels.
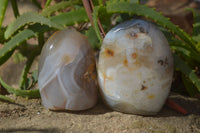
[
  {"x": 8, "y": 48},
  {"x": 196, "y": 24},
  {"x": 56, "y": 7},
  {"x": 143, "y": 10},
  {"x": 22, "y": 36},
  {"x": 180, "y": 65},
  {"x": 18, "y": 92},
  {"x": 70, "y": 18},
  {"x": 28, "y": 18}
]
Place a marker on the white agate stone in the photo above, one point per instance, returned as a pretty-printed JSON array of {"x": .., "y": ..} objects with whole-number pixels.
[
  {"x": 67, "y": 73},
  {"x": 135, "y": 68}
]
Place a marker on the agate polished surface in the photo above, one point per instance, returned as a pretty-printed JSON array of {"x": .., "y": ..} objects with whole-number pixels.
[
  {"x": 135, "y": 68},
  {"x": 67, "y": 72}
]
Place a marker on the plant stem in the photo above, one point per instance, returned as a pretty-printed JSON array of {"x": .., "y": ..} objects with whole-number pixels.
[
  {"x": 4, "y": 98},
  {"x": 170, "y": 103},
  {"x": 102, "y": 33},
  {"x": 47, "y": 3},
  {"x": 88, "y": 4},
  {"x": 23, "y": 79},
  {"x": 3, "y": 6},
  {"x": 15, "y": 8},
  {"x": 89, "y": 11}
]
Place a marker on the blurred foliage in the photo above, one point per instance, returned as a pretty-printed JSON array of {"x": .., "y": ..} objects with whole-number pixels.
[{"x": 53, "y": 17}]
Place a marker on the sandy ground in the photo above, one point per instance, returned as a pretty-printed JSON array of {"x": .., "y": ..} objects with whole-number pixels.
[
  {"x": 28, "y": 115},
  {"x": 31, "y": 116}
]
